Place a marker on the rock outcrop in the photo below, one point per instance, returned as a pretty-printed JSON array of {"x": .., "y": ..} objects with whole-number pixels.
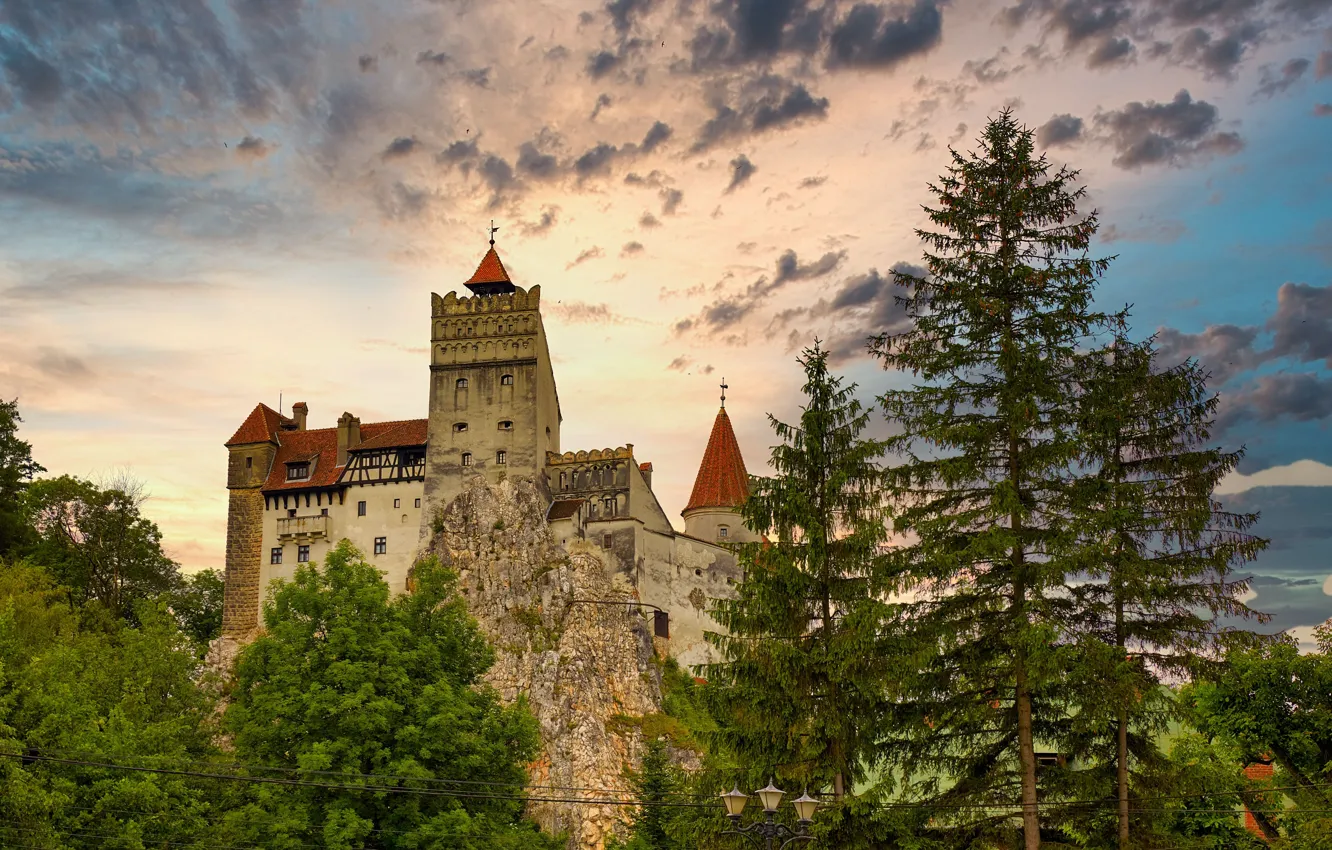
[{"x": 585, "y": 668}]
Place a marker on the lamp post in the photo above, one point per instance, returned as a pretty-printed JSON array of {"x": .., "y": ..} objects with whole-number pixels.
[{"x": 768, "y": 830}]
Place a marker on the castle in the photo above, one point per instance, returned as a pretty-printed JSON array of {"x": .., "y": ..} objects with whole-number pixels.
[{"x": 494, "y": 412}]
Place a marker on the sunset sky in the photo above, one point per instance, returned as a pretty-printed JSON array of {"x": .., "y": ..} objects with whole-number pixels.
[{"x": 206, "y": 205}]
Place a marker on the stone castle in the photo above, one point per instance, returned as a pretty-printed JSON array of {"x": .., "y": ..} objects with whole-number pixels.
[{"x": 494, "y": 413}]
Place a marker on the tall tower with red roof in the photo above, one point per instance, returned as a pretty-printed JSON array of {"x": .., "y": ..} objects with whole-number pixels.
[
  {"x": 494, "y": 409},
  {"x": 720, "y": 488}
]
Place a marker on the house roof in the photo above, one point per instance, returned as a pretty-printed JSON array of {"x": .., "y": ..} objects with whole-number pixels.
[
  {"x": 564, "y": 508},
  {"x": 319, "y": 447},
  {"x": 491, "y": 270},
  {"x": 722, "y": 481},
  {"x": 410, "y": 432},
  {"x": 261, "y": 426}
]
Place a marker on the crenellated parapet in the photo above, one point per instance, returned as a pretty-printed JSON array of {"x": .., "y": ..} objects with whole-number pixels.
[
  {"x": 454, "y": 305},
  {"x": 625, "y": 452}
]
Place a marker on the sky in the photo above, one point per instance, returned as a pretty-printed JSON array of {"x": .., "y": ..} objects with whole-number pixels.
[{"x": 207, "y": 205}]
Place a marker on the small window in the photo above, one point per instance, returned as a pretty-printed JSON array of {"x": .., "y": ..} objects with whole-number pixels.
[
  {"x": 418, "y": 503},
  {"x": 249, "y": 462},
  {"x": 303, "y": 554},
  {"x": 461, "y": 383},
  {"x": 467, "y": 459},
  {"x": 564, "y": 484},
  {"x": 506, "y": 425},
  {"x": 298, "y": 471},
  {"x": 606, "y": 541},
  {"x": 381, "y": 545},
  {"x": 506, "y": 380},
  {"x": 397, "y": 503},
  {"x": 721, "y": 532},
  {"x": 323, "y": 512},
  {"x": 608, "y": 505},
  {"x": 275, "y": 555},
  {"x": 360, "y": 508},
  {"x": 459, "y": 427},
  {"x": 501, "y": 456},
  {"x": 291, "y": 512}
]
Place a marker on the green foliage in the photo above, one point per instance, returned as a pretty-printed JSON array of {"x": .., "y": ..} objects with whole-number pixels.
[
  {"x": 17, "y": 468},
  {"x": 656, "y": 782},
  {"x": 349, "y": 681},
  {"x": 197, "y": 604},
  {"x": 97, "y": 544},
  {"x": 989, "y": 436}
]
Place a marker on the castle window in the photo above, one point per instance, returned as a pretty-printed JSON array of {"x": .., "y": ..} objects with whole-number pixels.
[
  {"x": 418, "y": 503},
  {"x": 606, "y": 541},
  {"x": 381, "y": 545},
  {"x": 360, "y": 508},
  {"x": 506, "y": 425},
  {"x": 291, "y": 512},
  {"x": 564, "y": 484},
  {"x": 413, "y": 457},
  {"x": 608, "y": 505},
  {"x": 459, "y": 427},
  {"x": 298, "y": 471},
  {"x": 506, "y": 380},
  {"x": 461, "y": 383},
  {"x": 467, "y": 459},
  {"x": 397, "y": 503},
  {"x": 275, "y": 555},
  {"x": 721, "y": 532},
  {"x": 501, "y": 456},
  {"x": 303, "y": 554},
  {"x": 323, "y": 511},
  {"x": 249, "y": 462}
]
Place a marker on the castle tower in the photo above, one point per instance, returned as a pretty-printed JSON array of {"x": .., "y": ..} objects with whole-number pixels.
[
  {"x": 721, "y": 487},
  {"x": 494, "y": 410},
  {"x": 251, "y": 451}
]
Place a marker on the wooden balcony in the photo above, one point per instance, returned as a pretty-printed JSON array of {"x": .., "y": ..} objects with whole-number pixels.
[{"x": 302, "y": 528}]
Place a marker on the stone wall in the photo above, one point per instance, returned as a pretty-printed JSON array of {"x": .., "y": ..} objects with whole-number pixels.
[
  {"x": 245, "y": 529},
  {"x": 584, "y": 668}
]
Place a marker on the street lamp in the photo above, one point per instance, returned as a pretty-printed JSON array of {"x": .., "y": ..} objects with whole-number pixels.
[{"x": 768, "y": 830}]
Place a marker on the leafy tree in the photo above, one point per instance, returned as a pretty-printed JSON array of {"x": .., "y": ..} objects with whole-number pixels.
[
  {"x": 656, "y": 782},
  {"x": 989, "y": 437},
  {"x": 17, "y": 468},
  {"x": 808, "y": 663},
  {"x": 197, "y": 604},
  {"x": 1157, "y": 550},
  {"x": 347, "y": 681},
  {"x": 97, "y": 544}
]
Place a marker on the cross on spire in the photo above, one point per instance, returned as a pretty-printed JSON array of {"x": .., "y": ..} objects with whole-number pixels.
[
  {"x": 724, "y": 388},
  {"x": 493, "y": 231}
]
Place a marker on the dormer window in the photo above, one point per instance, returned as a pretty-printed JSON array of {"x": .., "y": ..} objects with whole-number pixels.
[
  {"x": 506, "y": 425},
  {"x": 506, "y": 380},
  {"x": 298, "y": 471},
  {"x": 461, "y": 383},
  {"x": 459, "y": 427}
]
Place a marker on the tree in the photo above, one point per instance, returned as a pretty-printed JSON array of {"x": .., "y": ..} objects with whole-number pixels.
[
  {"x": 1157, "y": 549},
  {"x": 989, "y": 436},
  {"x": 17, "y": 468},
  {"x": 96, "y": 543},
  {"x": 197, "y": 604},
  {"x": 807, "y": 660},
  {"x": 655, "y": 783},
  {"x": 348, "y": 688}
]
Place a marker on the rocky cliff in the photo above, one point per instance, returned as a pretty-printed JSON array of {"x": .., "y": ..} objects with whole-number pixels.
[{"x": 584, "y": 668}]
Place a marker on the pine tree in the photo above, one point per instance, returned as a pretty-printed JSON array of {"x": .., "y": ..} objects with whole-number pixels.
[
  {"x": 805, "y": 677},
  {"x": 654, "y": 784},
  {"x": 1158, "y": 550},
  {"x": 988, "y": 437}
]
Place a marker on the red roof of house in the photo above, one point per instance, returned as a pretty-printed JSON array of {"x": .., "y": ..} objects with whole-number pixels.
[
  {"x": 491, "y": 270},
  {"x": 261, "y": 426},
  {"x": 722, "y": 481}
]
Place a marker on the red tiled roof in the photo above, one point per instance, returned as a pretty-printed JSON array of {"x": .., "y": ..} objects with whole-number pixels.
[
  {"x": 491, "y": 270},
  {"x": 645, "y": 467},
  {"x": 261, "y": 426},
  {"x": 320, "y": 447},
  {"x": 722, "y": 481}
]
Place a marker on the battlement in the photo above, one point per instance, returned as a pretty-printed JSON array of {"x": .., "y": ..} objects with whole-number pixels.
[
  {"x": 455, "y": 305},
  {"x": 625, "y": 452}
]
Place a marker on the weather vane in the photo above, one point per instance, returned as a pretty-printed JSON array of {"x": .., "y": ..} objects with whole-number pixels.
[
  {"x": 493, "y": 231},
  {"x": 724, "y": 388}
]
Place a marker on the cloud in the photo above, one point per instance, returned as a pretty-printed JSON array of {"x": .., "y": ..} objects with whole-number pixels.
[
  {"x": 863, "y": 306},
  {"x": 631, "y": 248},
  {"x": 1062, "y": 129},
  {"x": 601, "y": 63},
  {"x": 253, "y": 147},
  {"x": 670, "y": 200},
  {"x": 741, "y": 170},
  {"x": 101, "y": 286},
  {"x": 1272, "y": 84},
  {"x": 1111, "y": 51},
  {"x": 1173, "y": 133},
  {"x": 765, "y": 104},
  {"x": 1223, "y": 350},
  {"x": 656, "y": 136},
  {"x": 589, "y": 254},
  {"x": 368, "y": 64},
  {"x": 727, "y": 311},
  {"x": 647, "y": 221},
  {"x": 582, "y": 313},
  {"x": 868, "y": 37},
  {"x": 1301, "y": 473},
  {"x": 813, "y": 182},
  {"x": 1300, "y": 396},
  {"x": 1161, "y": 232},
  {"x": 549, "y": 216},
  {"x": 400, "y": 147},
  {"x": 432, "y": 57},
  {"x": 603, "y": 102}
]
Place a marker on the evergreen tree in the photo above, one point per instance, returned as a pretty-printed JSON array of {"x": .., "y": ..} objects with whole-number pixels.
[
  {"x": 1158, "y": 552},
  {"x": 655, "y": 783},
  {"x": 17, "y": 468},
  {"x": 806, "y": 672},
  {"x": 989, "y": 436}
]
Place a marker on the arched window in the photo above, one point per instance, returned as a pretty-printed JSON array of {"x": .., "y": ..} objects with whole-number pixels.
[
  {"x": 459, "y": 426},
  {"x": 467, "y": 459},
  {"x": 461, "y": 383},
  {"x": 501, "y": 456},
  {"x": 506, "y": 380},
  {"x": 506, "y": 425}
]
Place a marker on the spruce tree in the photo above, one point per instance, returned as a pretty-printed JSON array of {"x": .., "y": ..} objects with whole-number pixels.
[
  {"x": 805, "y": 680},
  {"x": 988, "y": 437},
  {"x": 1158, "y": 551}
]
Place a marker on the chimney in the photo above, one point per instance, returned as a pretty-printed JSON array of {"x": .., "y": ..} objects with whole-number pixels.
[
  {"x": 646, "y": 470},
  {"x": 349, "y": 436},
  {"x": 299, "y": 410}
]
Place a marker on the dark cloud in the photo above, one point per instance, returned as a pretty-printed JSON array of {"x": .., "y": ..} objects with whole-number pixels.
[
  {"x": 1171, "y": 133},
  {"x": 670, "y": 200},
  {"x": 862, "y": 307},
  {"x": 253, "y": 147},
  {"x": 582, "y": 313},
  {"x": 36, "y": 81},
  {"x": 400, "y": 147},
  {"x": 631, "y": 248},
  {"x": 679, "y": 364},
  {"x": 756, "y": 31},
  {"x": 766, "y": 103},
  {"x": 727, "y": 311},
  {"x": 1223, "y": 350},
  {"x": 1111, "y": 51},
  {"x": 654, "y": 178},
  {"x": 813, "y": 182},
  {"x": 1299, "y": 396},
  {"x": 1062, "y": 129},
  {"x": 601, "y": 63},
  {"x": 549, "y": 216},
  {"x": 590, "y": 254},
  {"x": 1301, "y": 328},
  {"x": 596, "y": 160},
  {"x": 403, "y": 201},
  {"x": 534, "y": 163},
  {"x": 603, "y": 102},
  {"x": 656, "y": 136},
  {"x": 623, "y": 12},
  {"x": 368, "y": 64},
  {"x": 647, "y": 221},
  {"x": 871, "y": 37},
  {"x": 991, "y": 70},
  {"x": 479, "y": 77},
  {"x": 741, "y": 170},
  {"x": 790, "y": 268},
  {"x": 432, "y": 57},
  {"x": 1273, "y": 83},
  {"x": 458, "y": 152}
]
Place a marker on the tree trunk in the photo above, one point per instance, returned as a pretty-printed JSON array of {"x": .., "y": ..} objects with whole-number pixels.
[
  {"x": 1121, "y": 743},
  {"x": 1031, "y": 824}
]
